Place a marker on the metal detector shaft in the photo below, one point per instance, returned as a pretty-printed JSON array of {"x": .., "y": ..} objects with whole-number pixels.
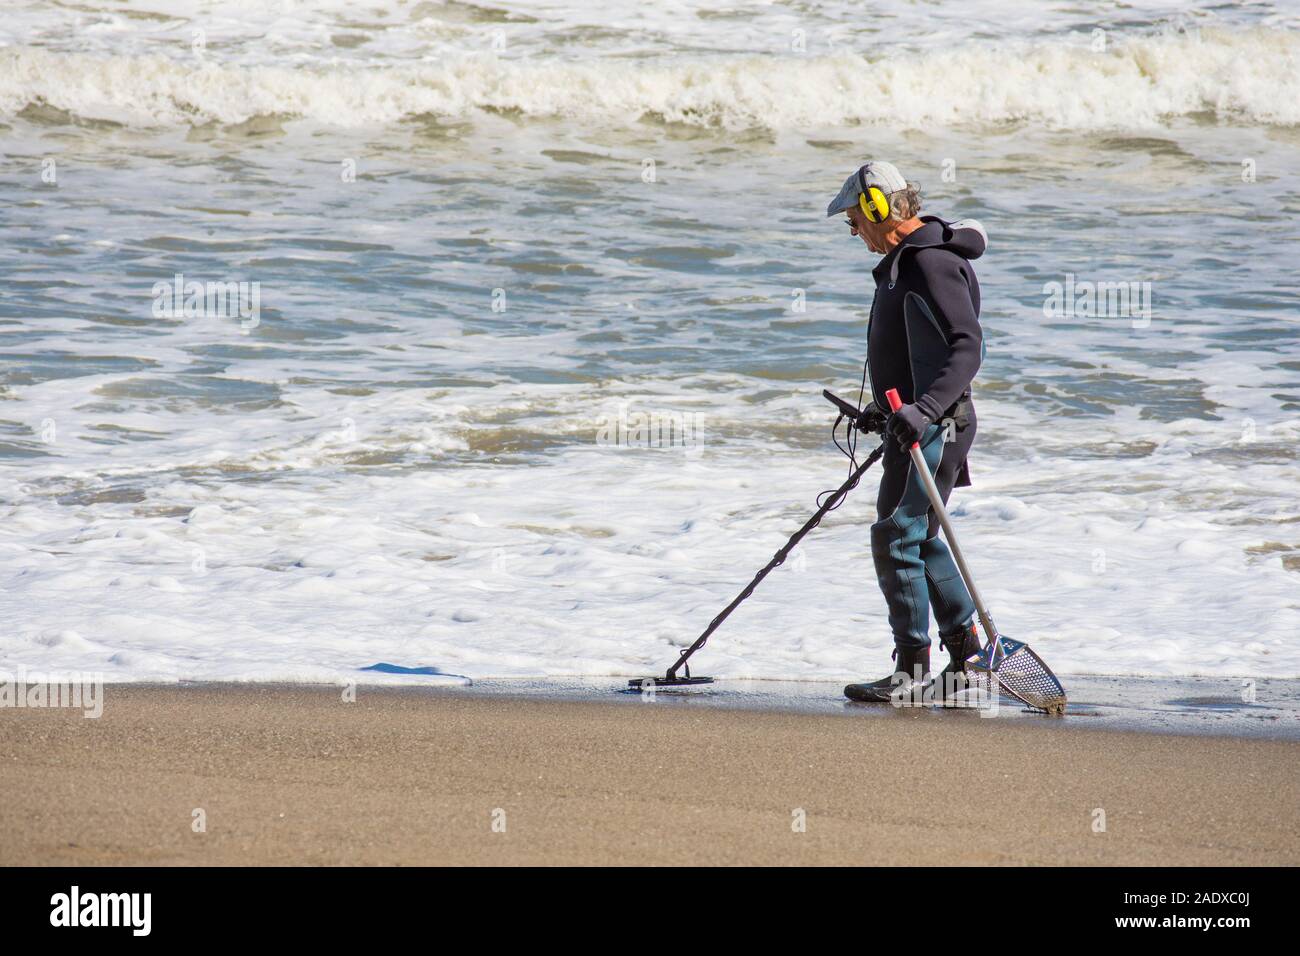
[
  {"x": 936, "y": 502},
  {"x": 780, "y": 557}
]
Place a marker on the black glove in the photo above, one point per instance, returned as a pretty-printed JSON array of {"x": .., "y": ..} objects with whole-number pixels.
[
  {"x": 907, "y": 425},
  {"x": 872, "y": 419}
]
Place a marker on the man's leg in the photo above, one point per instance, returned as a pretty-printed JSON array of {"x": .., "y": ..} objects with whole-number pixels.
[
  {"x": 897, "y": 537},
  {"x": 954, "y": 611},
  {"x": 953, "y": 607},
  {"x": 902, "y": 512}
]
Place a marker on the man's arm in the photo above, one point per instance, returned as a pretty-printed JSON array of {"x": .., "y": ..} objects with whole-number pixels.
[{"x": 945, "y": 275}]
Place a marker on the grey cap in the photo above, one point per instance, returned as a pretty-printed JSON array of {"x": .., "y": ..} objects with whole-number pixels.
[{"x": 884, "y": 176}]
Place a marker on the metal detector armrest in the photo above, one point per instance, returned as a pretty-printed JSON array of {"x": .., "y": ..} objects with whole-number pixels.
[{"x": 869, "y": 419}]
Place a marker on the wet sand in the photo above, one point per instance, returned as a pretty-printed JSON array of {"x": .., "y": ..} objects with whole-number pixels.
[{"x": 284, "y": 775}]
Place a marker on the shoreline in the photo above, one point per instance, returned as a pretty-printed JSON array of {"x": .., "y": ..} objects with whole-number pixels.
[
  {"x": 285, "y": 775},
  {"x": 1267, "y": 709}
]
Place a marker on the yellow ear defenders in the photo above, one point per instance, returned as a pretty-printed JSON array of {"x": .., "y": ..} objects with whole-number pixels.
[{"x": 871, "y": 200}]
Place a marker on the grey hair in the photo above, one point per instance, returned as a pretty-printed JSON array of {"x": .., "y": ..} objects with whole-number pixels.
[{"x": 905, "y": 203}]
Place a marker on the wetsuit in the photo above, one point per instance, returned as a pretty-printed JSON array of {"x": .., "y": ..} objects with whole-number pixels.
[{"x": 924, "y": 339}]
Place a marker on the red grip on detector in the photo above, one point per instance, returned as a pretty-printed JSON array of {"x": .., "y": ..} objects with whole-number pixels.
[{"x": 895, "y": 403}]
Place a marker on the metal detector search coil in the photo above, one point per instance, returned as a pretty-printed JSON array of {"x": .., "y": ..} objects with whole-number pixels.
[{"x": 640, "y": 683}]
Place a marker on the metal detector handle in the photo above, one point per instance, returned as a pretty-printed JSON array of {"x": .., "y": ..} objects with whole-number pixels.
[
  {"x": 936, "y": 502},
  {"x": 869, "y": 419}
]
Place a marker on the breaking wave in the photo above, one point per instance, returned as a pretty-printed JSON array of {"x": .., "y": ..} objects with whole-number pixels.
[{"x": 1251, "y": 75}]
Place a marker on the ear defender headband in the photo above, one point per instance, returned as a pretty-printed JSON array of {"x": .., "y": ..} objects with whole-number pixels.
[{"x": 871, "y": 200}]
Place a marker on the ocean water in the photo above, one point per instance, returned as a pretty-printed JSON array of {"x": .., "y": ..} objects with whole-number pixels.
[{"x": 484, "y": 243}]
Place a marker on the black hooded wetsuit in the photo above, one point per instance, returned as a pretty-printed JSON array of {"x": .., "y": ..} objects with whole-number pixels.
[{"x": 924, "y": 339}]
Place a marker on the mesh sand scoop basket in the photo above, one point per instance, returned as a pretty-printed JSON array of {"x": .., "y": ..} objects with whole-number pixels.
[{"x": 1018, "y": 672}]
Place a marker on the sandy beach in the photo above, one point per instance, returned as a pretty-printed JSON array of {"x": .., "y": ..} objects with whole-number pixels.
[{"x": 285, "y": 775}]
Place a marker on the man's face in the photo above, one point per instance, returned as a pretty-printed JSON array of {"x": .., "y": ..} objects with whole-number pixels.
[{"x": 870, "y": 233}]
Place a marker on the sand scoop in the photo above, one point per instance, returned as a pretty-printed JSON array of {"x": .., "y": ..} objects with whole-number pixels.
[{"x": 1016, "y": 668}]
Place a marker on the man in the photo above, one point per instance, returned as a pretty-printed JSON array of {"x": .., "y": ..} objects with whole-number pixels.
[{"x": 924, "y": 339}]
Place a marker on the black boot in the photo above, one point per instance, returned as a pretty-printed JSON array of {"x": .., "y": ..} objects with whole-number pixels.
[
  {"x": 910, "y": 666},
  {"x": 952, "y": 680}
]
